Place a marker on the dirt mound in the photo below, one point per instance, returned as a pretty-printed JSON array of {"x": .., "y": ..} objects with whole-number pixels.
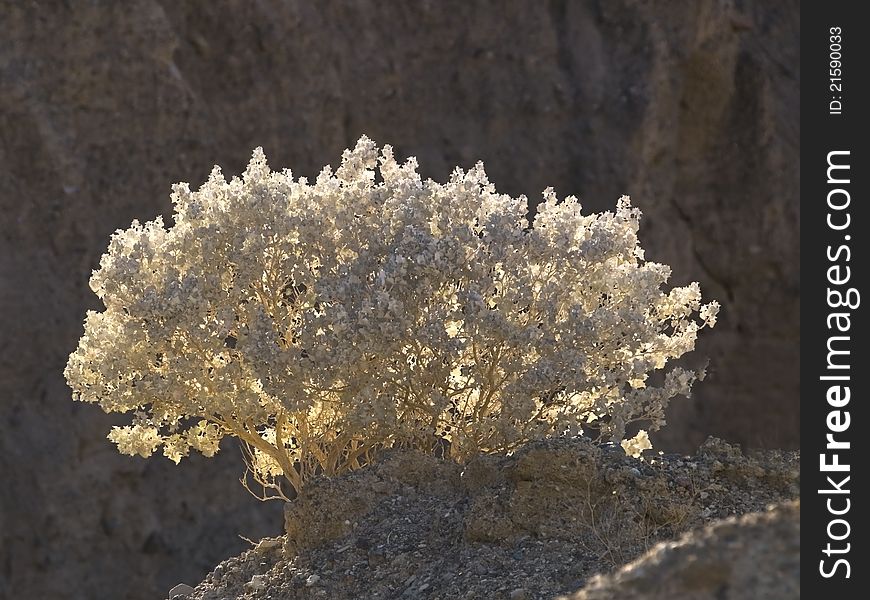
[
  {"x": 532, "y": 525},
  {"x": 754, "y": 556}
]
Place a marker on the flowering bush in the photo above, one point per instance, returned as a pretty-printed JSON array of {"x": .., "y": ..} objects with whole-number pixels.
[{"x": 321, "y": 322}]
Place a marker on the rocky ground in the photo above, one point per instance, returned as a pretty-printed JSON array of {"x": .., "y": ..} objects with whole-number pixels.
[
  {"x": 536, "y": 524},
  {"x": 754, "y": 556}
]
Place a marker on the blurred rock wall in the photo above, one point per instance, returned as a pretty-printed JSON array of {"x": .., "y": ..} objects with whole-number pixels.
[{"x": 691, "y": 108}]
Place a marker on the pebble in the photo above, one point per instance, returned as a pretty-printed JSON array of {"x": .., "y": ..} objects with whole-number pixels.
[
  {"x": 363, "y": 543},
  {"x": 519, "y": 594},
  {"x": 257, "y": 582},
  {"x": 312, "y": 580},
  {"x": 268, "y": 544},
  {"x": 376, "y": 557},
  {"x": 609, "y": 447},
  {"x": 182, "y": 589}
]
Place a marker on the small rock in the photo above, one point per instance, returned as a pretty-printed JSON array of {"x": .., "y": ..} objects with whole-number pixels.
[
  {"x": 363, "y": 543},
  {"x": 376, "y": 556},
  {"x": 519, "y": 594},
  {"x": 180, "y": 590},
  {"x": 609, "y": 447},
  {"x": 312, "y": 580},
  {"x": 524, "y": 486},
  {"x": 257, "y": 582},
  {"x": 268, "y": 544}
]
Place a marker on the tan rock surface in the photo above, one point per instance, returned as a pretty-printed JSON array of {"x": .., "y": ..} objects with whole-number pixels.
[{"x": 754, "y": 556}]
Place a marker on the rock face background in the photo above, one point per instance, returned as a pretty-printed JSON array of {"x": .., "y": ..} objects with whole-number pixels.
[{"x": 692, "y": 109}]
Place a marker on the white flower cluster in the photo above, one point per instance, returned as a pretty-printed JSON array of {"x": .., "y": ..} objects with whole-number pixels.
[
  {"x": 321, "y": 322},
  {"x": 636, "y": 445}
]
